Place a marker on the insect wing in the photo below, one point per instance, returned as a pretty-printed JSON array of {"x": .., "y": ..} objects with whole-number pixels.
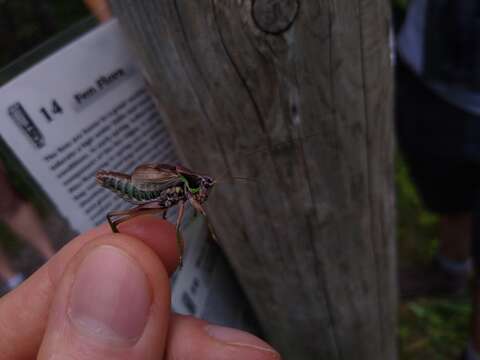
[
  {"x": 157, "y": 174},
  {"x": 185, "y": 171}
]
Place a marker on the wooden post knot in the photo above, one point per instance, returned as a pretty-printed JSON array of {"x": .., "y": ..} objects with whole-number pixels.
[{"x": 274, "y": 16}]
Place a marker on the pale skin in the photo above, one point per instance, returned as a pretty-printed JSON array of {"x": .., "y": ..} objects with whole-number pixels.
[
  {"x": 99, "y": 8},
  {"x": 27, "y": 226},
  {"x": 6, "y": 271},
  {"x": 107, "y": 296}
]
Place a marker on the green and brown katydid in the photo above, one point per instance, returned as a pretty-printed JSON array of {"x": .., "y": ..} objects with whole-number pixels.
[{"x": 155, "y": 188}]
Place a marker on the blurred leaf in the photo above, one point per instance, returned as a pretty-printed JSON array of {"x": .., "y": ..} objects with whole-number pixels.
[{"x": 402, "y": 4}]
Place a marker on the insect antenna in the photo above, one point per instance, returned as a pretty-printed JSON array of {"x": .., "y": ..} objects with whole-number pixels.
[{"x": 228, "y": 179}]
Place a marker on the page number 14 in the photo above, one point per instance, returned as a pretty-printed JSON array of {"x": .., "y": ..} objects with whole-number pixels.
[{"x": 50, "y": 111}]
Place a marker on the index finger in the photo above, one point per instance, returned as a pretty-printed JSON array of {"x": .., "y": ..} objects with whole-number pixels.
[{"x": 24, "y": 311}]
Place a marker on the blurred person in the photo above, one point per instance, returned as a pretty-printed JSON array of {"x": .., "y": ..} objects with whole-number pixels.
[
  {"x": 23, "y": 220},
  {"x": 99, "y": 8},
  {"x": 438, "y": 129},
  {"x": 107, "y": 296},
  {"x": 10, "y": 277}
]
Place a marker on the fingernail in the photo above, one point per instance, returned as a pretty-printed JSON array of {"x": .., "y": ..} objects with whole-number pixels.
[
  {"x": 239, "y": 338},
  {"x": 111, "y": 297}
]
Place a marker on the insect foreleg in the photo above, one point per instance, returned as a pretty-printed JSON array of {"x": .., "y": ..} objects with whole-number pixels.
[{"x": 198, "y": 207}]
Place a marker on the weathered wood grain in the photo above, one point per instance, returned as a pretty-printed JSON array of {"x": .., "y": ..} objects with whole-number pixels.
[
  {"x": 297, "y": 94},
  {"x": 274, "y": 16}
]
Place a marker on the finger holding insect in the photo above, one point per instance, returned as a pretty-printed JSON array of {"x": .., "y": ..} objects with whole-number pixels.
[
  {"x": 113, "y": 273},
  {"x": 24, "y": 311},
  {"x": 87, "y": 316},
  {"x": 191, "y": 338},
  {"x": 158, "y": 234}
]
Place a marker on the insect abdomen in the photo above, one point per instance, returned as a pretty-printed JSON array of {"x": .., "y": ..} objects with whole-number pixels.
[
  {"x": 124, "y": 187},
  {"x": 120, "y": 184},
  {"x": 132, "y": 193}
]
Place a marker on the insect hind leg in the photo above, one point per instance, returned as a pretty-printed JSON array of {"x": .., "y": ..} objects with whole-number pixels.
[
  {"x": 179, "y": 237},
  {"x": 129, "y": 214}
]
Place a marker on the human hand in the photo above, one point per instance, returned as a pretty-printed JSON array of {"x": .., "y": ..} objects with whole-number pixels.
[{"x": 107, "y": 296}]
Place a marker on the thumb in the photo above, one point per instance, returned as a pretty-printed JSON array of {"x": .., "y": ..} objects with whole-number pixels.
[{"x": 113, "y": 302}]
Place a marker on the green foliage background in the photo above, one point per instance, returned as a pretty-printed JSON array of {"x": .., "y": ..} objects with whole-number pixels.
[{"x": 401, "y": 4}]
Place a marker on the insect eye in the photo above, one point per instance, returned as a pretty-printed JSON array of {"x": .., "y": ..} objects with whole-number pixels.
[{"x": 207, "y": 182}]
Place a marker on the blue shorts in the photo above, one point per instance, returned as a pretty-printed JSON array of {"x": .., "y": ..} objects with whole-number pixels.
[{"x": 441, "y": 144}]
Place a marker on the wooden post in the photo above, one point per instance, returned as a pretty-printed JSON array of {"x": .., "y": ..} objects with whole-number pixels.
[{"x": 298, "y": 95}]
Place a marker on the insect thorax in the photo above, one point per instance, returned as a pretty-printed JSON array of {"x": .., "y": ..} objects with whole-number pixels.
[{"x": 171, "y": 196}]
